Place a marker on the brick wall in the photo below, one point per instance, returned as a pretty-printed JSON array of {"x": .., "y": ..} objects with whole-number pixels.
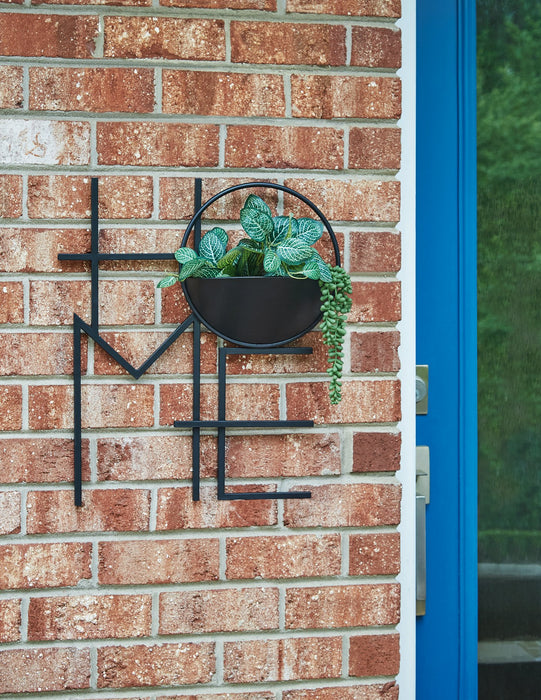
[{"x": 142, "y": 593}]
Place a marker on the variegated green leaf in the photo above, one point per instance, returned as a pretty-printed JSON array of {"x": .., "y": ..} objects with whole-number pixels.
[
  {"x": 248, "y": 244},
  {"x": 229, "y": 258},
  {"x": 168, "y": 281},
  {"x": 255, "y": 202},
  {"x": 192, "y": 268},
  {"x": 310, "y": 230},
  {"x": 311, "y": 270},
  {"x": 284, "y": 226},
  {"x": 257, "y": 224},
  {"x": 271, "y": 262},
  {"x": 293, "y": 251},
  {"x": 182, "y": 255},
  {"x": 211, "y": 247},
  {"x": 324, "y": 269},
  {"x": 207, "y": 272},
  {"x": 222, "y": 235}
]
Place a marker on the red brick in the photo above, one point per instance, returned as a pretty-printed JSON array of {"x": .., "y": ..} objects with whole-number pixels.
[
  {"x": 37, "y": 249},
  {"x": 374, "y": 251},
  {"x": 374, "y": 655},
  {"x": 244, "y": 402},
  {"x": 140, "y": 240},
  {"x": 374, "y": 554},
  {"x": 223, "y": 94},
  {"x": 345, "y": 505},
  {"x": 42, "y": 141},
  {"x": 37, "y": 353},
  {"x": 44, "y": 565},
  {"x": 158, "y": 561},
  {"x": 160, "y": 664},
  {"x": 11, "y": 302},
  {"x": 362, "y": 402},
  {"x": 282, "y": 659},
  {"x": 136, "y": 347},
  {"x": 296, "y": 556},
  {"x": 177, "y": 510},
  {"x": 89, "y": 617},
  {"x": 269, "y": 5},
  {"x": 288, "y": 43},
  {"x": 283, "y": 364},
  {"x": 364, "y": 8},
  {"x": 226, "y": 610},
  {"x": 174, "y": 307},
  {"x": 150, "y": 143},
  {"x": 284, "y": 147},
  {"x": 374, "y": 149},
  {"x": 10, "y": 620},
  {"x": 116, "y": 510},
  {"x": 39, "y": 460},
  {"x": 375, "y": 351},
  {"x": 363, "y": 605},
  {"x": 55, "y": 302},
  {"x": 92, "y": 89},
  {"x": 261, "y": 695},
  {"x": 376, "y": 302},
  {"x": 345, "y": 97},
  {"x": 10, "y": 512},
  {"x": 11, "y": 407},
  {"x": 164, "y": 37},
  {"x": 62, "y": 36},
  {"x": 11, "y": 87},
  {"x": 376, "y": 452},
  {"x": 44, "y": 670},
  {"x": 98, "y": 2},
  {"x": 376, "y": 47},
  {"x": 349, "y": 200},
  {"x": 387, "y": 691},
  {"x": 68, "y": 196},
  {"x": 11, "y": 192}
]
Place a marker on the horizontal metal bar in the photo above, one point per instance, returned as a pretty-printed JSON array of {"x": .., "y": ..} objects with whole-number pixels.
[
  {"x": 268, "y": 351},
  {"x": 244, "y": 424},
  {"x": 116, "y": 256},
  {"x": 260, "y": 496}
]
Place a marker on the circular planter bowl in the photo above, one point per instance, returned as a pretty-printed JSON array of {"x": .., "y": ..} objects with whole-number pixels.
[{"x": 255, "y": 311}]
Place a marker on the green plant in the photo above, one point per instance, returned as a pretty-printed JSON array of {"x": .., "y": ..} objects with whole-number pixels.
[{"x": 277, "y": 246}]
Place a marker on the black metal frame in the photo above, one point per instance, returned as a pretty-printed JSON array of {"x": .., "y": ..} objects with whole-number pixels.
[{"x": 196, "y": 424}]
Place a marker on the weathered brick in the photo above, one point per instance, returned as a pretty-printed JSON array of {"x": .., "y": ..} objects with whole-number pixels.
[
  {"x": 374, "y": 251},
  {"x": 376, "y": 302},
  {"x": 283, "y": 364},
  {"x": 136, "y": 347},
  {"x": 102, "y": 406},
  {"x": 223, "y": 94},
  {"x": 140, "y": 240},
  {"x": 44, "y": 670},
  {"x": 37, "y": 249},
  {"x": 10, "y": 620},
  {"x": 295, "y": 556},
  {"x": 11, "y": 302},
  {"x": 374, "y": 554},
  {"x": 54, "y": 302},
  {"x": 43, "y": 142},
  {"x": 44, "y": 565},
  {"x": 92, "y": 89},
  {"x": 288, "y": 43},
  {"x": 178, "y": 511},
  {"x": 174, "y": 307},
  {"x": 11, "y": 87},
  {"x": 387, "y": 691},
  {"x": 376, "y": 452},
  {"x": 269, "y": 5},
  {"x": 150, "y": 144},
  {"x": 37, "y": 460},
  {"x": 284, "y": 147},
  {"x": 160, "y": 664},
  {"x": 38, "y": 353},
  {"x": 364, "y": 8},
  {"x": 115, "y": 510},
  {"x": 226, "y": 610},
  {"x": 11, "y": 407},
  {"x": 58, "y": 36},
  {"x": 11, "y": 194},
  {"x": 158, "y": 561},
  {"x": 282, "y": 659},
  {"x": 376, "y": 47},
  {"x": 10, "y": 512},
  {"x": 260, "y": 695},
  {"x": 343, "y": 606},
  {"x": 374, "y": 655},
  {"x": 89, "y": 617},
  {"x": 164, "y": 37},
  {"x": 349, "y": 200},
  {"x": 345, "y": 97},
  {"x": 362, "y": 402},
  {"x": 375, "y": 352},
  {"x": 339, "y": 505},
  {"x": 374, "y": 149},
  {"x": 245, "y": 402}
]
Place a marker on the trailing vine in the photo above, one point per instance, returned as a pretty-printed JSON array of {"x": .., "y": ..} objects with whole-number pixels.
[{"x": 335, "y": 304}]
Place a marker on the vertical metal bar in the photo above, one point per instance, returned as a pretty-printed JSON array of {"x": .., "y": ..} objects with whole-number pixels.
[
  {"x": 196, "y": 373},
  {"x": 77, "y": 443},
  {"x": 222, "y": 357},
  {"x": 94, "y": 250}
]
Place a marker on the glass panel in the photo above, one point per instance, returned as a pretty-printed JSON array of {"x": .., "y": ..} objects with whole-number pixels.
[{"x": 509, "y": 277}]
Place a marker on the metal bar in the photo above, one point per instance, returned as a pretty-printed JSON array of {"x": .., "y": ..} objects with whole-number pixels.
[
  {"x": 77, "y": 437},
  {"x": 264, "y": 495},
  {"x": 116, "y": 256},
  {"x": 94, "y": 249},
  {"x": 269, "y": 351},
  {"x": 196, "y": 371},
  {"x": 222, "y": 357},
  {"x": 243, "y": 424}
]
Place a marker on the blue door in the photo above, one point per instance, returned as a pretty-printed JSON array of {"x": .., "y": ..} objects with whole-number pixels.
[{"x": 446, "y": 342}]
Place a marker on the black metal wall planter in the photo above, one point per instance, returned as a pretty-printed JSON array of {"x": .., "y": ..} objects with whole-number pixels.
[{"x": 212, "y": 302}]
